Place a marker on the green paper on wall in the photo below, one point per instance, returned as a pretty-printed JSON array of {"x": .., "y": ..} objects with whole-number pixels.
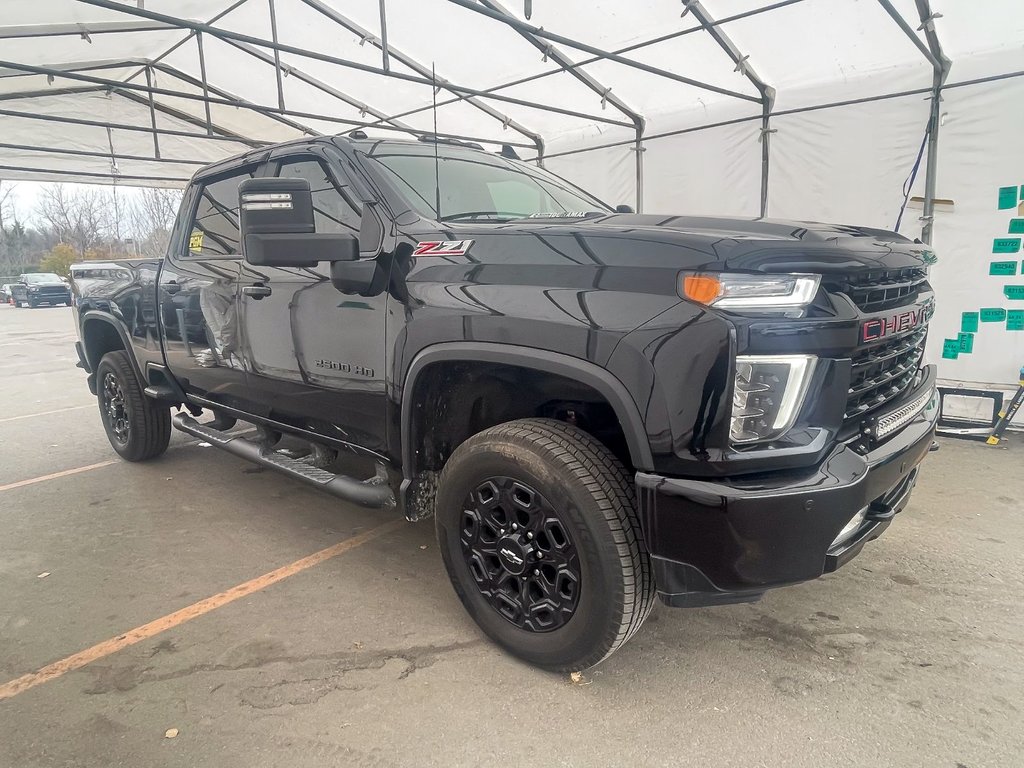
[
  {"x": 1002, "y": 268},
  {"x": 1006, "y": 245},
  {"x": 1014, "y": 292},
  {"x": 1016, "y": 227},
  {"x": 1007, "y": 197},
  {"x": 951, "y": 348},
  {"x": 1015, "y": 320},
  {"x": 969, "y": 322},
  {"x": 993, "y": 315},
  {"x": 966, "y": 342}
]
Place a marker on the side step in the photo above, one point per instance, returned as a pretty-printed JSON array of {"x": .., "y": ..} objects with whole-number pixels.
[{"x": 375, "y": 492}]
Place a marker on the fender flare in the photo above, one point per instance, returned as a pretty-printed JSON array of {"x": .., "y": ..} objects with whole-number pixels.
[
  {"x": 122, "y": 331},
  {"x": 583, "y": 371}
]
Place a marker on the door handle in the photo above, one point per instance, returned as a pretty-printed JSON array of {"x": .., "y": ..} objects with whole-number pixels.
[
  {"x": 257, "y": 291},
  {"x": 172, "y": 287}
]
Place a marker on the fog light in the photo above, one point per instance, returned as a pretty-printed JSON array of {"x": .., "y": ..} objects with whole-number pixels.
[
  {"x": 767, "y": 395},
  {"x": 851, "y": 527}
]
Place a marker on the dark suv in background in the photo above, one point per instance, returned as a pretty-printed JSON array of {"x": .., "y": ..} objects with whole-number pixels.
[{"x": 35, "y": 288}]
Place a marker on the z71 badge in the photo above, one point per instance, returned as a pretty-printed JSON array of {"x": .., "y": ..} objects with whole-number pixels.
[{"x": 442, "y": 248}]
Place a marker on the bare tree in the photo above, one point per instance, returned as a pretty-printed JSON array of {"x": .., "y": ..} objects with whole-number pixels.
[
  {"x": 7, "y": 213},
  {"x": 82, "y": 218},
  {"x": 151, "y": 215}
]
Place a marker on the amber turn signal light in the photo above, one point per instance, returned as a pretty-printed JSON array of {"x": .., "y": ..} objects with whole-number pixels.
[{"x": 703, "y": 289}]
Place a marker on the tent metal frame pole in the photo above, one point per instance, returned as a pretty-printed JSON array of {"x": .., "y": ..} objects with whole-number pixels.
[
  {"x": 103, "y": 155},
  {"x": 909, "y": 32},
  {"x": 744, "y": 67},
  {"x": 515, "y": 23},
  {"x": 224, "y": 34},
  {"x": 384, "y": 36},
  {"x": 152, "y": 113},
  {"x": 941, "y": 68},
  {"x": 236, "y": 100},
  {"x": 271, "y": 112},
  {"x": 83, "y": 29},
  {"x": 93, "y": 174},
  {"x": 254, "y": 143},
  {"x": 425, "y": 71},
  {"x": 607, "y": 97},
  {"x": 584, "y": 62},
  {"x": 330, "y": 90},
  {"x": 277, "y": 55},
  {"x": 49, "y": 92},
  {"x": 202, "y": 75}
]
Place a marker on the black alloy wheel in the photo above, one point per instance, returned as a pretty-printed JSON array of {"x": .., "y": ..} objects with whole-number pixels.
[
  {"x": 137, "y": 427},
  {"x": 536, "y": 522},
  {"x": 521, "y": 554},
  {"x": 112, "y": 401}
]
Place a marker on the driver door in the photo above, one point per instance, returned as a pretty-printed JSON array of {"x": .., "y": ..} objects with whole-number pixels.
[{"x": 315, "y": 356}]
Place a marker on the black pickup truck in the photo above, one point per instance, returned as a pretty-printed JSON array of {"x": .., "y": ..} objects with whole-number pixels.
[
  {"x": 35, "y": 288},
  {"x": 596, "y": 407}
]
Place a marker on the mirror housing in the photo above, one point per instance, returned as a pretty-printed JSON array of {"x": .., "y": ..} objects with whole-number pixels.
[
  {"x": 623, "y": 208},
  {"x": 278, "y": 229}
]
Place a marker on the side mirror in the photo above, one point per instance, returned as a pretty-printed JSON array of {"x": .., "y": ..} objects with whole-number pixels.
[
  {"x": 623, "y": 208},
  {"x": 278, "y": 229}
]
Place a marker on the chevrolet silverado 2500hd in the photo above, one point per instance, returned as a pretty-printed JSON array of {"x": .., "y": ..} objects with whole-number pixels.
[{"x": 596, "y": 407}]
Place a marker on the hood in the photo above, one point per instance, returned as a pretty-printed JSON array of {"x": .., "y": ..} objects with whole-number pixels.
[{"x": 726, "y": 244}]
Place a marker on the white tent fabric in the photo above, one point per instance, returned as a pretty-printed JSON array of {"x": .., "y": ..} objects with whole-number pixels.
[{"x": 146, "y": 92}]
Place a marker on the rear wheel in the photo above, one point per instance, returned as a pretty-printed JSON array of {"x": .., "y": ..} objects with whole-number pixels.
[
  {"x": 137, "y": 427},
  {"x": 537, "y": 526}
]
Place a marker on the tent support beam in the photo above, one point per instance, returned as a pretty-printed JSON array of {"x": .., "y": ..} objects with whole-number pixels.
[
  {"x": 425, "y": 72},
  {"x": 384, "y": 36},
  {"x": 743, "y": 66},
  {"x": 82, "y": 29},
  {"x": 277, "y": 55},
  {"x": 224, "y": 34},
  {"x": 152, "y": 113},
  {"x": 330, "y": 90},
  {"x": 93, "y": 175},
  {"x": 607, "y": 97},
  {"x": 909, "y": 31},
  {"x": 254, "y": 143},
  {"x": 522, "y": 26},
  {"x": 125, "y": 90},
  {"x": 593, "y": 59},
  {"x": 237, "y": 100},
  {"x": 103, "y": 155},
  {"x": 941, "y": 68},
  {"x": 202, "y": 75}
]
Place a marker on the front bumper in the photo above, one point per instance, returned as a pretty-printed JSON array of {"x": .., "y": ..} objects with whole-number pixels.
[{"x": 714, "y": 543}]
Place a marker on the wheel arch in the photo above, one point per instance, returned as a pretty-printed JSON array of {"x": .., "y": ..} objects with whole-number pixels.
[
  {"x": 102, "y": 333},
  {"x": 582, "y": 371}
]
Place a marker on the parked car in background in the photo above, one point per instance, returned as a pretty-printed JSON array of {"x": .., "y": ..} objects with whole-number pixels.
[{"x": 35, "y": 288}]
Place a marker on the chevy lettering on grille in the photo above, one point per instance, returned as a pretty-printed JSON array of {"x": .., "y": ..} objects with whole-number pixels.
[{"x": 879, "y": 328}]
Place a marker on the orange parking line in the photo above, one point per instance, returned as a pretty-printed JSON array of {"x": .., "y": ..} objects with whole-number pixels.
[
  {"x": 55, "y": 475},
  {"x": 171, "y": 620}
]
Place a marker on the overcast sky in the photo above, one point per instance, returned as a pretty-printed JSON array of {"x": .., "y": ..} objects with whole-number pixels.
[{"x": 26, "y": 194}]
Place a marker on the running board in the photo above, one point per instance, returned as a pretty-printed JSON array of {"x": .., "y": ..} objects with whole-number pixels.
[{"x": 375, "y": 492}]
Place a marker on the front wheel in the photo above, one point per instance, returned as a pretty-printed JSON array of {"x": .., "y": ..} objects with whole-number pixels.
[
  {"x": 537, "y": 525},
  {"x": 137, "y": 427}
]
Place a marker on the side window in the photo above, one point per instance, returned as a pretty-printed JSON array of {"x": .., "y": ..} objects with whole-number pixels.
[
  {"x": 214, "y": 230},
  {"x": 332, "y": 211}
]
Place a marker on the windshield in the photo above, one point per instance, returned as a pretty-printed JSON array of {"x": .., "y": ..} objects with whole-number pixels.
[
  {"x": 475, "y": 186},
  {"x": 42, "y": 278}
]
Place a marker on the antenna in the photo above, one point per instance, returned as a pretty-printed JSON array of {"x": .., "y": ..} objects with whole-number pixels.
[{"x": 437, "y": 162}]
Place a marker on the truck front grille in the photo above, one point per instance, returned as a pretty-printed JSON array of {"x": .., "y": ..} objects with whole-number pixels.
[
  {"x": 882, "y": 372},
  {"x": 882, "y": 289}
]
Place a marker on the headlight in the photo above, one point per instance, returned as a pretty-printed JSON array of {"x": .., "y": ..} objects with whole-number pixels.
[
  {"x": 740, "y": 291},
  {"x": 768, "y": 393}
]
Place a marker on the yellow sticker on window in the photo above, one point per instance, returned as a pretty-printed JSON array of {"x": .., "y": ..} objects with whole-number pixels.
[{"x": 195, "y": 241}]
